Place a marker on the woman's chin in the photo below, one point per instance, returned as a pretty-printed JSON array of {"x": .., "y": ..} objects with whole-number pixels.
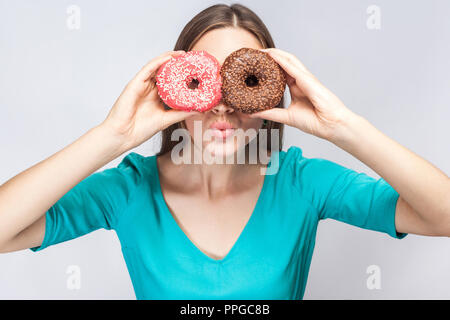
[{"x": 219, "y": 151}]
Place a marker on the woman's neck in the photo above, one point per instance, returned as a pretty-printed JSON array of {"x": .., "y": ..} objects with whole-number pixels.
[{"x": 213, "y": 180}]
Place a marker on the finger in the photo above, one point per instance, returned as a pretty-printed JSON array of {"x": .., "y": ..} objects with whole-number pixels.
[
  {"x": 304, "y": 80},
  {"x": 146, "y": 72},
  {"x": 289, "y": 56},
  {"x": 290, "y": 81},
  {"x": 295, "y": 90}
]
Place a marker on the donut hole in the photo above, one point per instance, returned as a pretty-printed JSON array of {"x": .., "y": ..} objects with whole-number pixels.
[
  {"x": 251, "y": 80},
  {"x": 193, "y": 84}
]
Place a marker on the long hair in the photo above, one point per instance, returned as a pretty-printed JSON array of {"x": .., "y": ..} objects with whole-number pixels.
[{"x": 215, "y": 17}]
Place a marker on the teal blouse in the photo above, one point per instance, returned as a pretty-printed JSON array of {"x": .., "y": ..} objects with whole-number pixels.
[{"x": 271, "y": 257}]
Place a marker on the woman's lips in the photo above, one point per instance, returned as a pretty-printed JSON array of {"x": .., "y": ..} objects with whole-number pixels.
[
  {"x": 224, "y": 133},
  {"x": 221, "y": 125},
  {"x": 222, "y": 129}
]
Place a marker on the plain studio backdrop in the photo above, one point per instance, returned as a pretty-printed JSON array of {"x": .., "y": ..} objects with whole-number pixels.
[{"x": 64, "y": 63}]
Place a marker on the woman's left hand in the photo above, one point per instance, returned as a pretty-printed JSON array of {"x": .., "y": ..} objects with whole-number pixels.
[
  {"x": 314, "y": 109},
  {"x": 421, "y": 208}
]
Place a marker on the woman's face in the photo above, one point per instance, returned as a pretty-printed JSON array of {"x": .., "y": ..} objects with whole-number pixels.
[{"x": 220, "y": 43}]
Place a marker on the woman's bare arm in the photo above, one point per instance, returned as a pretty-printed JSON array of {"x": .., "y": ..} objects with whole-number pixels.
[
  {"x": 26, "y": 197},
  {"x": 136, "y": 116},
  {"x": 423, "y": 206}
]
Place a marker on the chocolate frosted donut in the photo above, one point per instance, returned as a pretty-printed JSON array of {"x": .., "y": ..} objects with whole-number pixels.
[{"x": 252, "y": 81}]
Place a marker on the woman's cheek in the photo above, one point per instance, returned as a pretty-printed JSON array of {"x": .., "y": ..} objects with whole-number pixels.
[
  {"x": 194, "y": 123},
  {"x": 252, "y": 123}
]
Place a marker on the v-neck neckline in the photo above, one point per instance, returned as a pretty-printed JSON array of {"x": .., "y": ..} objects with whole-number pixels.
[{"x": 242, "y": 235}]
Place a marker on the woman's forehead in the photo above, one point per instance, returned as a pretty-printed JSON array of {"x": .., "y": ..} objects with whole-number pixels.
[{"x": 222, "y": 42}]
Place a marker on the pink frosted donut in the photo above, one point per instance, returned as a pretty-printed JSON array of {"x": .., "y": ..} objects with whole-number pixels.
[{"x": 191, "y": 81}]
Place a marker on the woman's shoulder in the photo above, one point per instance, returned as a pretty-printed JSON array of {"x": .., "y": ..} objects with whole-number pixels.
[
  {"x": 288, "y": 158},
  {"x": 137, "y": 165},
  {"x": 294, "y": 155},
  {"x": 314, "y": 169}
]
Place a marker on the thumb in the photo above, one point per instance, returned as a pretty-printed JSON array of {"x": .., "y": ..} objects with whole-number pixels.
[
  {"x": 173, "y": 116},
  {"x": 275, "y": 114}
]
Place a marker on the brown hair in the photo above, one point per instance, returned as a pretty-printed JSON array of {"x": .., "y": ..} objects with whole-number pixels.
[{"x": 215, "y": 17}]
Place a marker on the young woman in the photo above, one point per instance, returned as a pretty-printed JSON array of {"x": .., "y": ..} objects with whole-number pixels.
[{"x": 221, "y": 231}]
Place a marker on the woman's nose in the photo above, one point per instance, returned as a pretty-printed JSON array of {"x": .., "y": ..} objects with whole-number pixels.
[{"x": 222, "y": 108}]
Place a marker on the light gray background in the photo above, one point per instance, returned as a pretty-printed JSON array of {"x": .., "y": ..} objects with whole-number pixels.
[{"x": 57, "y": 83}]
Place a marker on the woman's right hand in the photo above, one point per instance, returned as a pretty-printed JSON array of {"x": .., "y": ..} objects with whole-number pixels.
[
  {"x": 135, "y": 117},
  {"x": 139, "y": 113}
]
